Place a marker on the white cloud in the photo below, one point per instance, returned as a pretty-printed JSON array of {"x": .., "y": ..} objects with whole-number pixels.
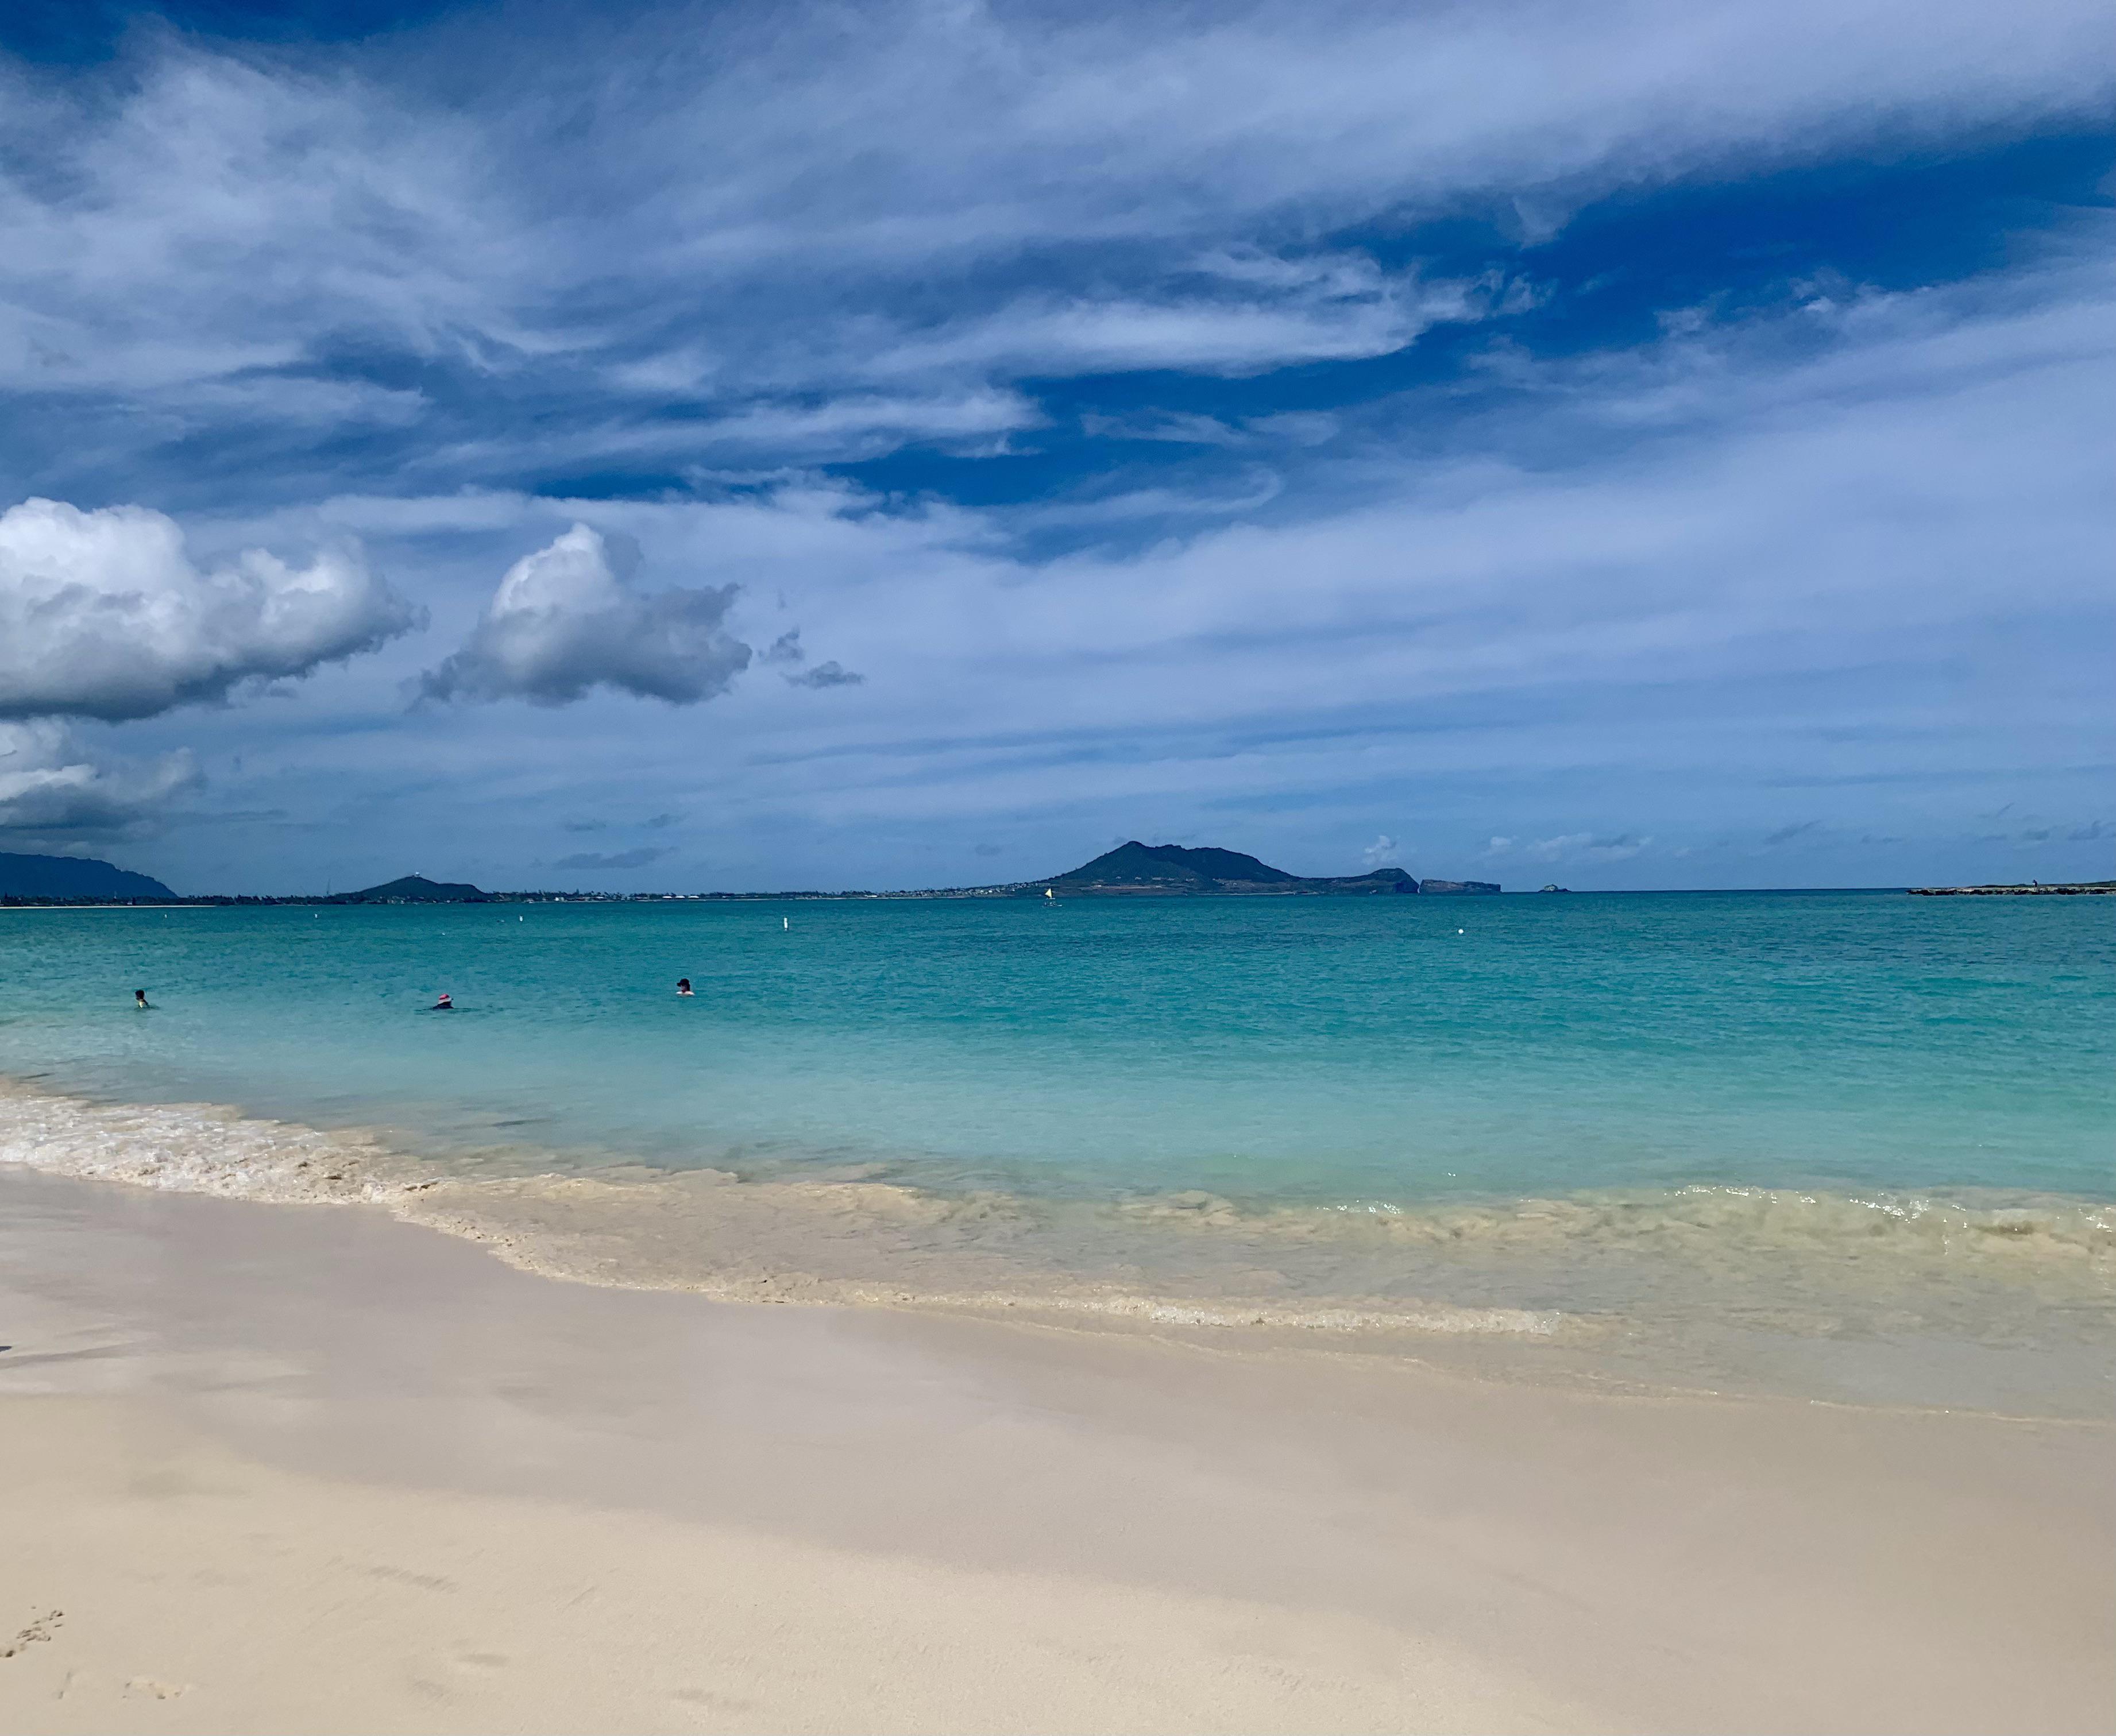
[
  {"x": 1267, "y": 319},
  {"x": 1381, "y": 853},
  {"x": 836, "y": 197},
  {"x": 50, "y": 786},
  {"x": 1646, "y": 578},
  {"x": 857, "y": 421},
  {"x": 1768, "y": 576},
  {"x": 562, "y": 622},
  {"x": 1173, "y": 428},
  {"x": 103, "y": 614}
]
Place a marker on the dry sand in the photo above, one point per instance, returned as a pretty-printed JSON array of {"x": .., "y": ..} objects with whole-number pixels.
[{"x": 309, "y": 1468}]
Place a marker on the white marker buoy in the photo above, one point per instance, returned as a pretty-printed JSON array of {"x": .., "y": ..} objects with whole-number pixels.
[{"x": 786, "y": 922}]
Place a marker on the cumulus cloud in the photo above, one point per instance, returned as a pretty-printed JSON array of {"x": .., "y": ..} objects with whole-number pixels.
[
  {"x": 1381, "y": 853},
  {"x": 563, "y": 622},
  {"x": 49, "y": 786},
  {"x": 103, "y": 614}
]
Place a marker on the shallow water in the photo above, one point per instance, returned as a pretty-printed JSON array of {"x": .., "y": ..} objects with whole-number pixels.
[{"x": 1856, "y": 1144}]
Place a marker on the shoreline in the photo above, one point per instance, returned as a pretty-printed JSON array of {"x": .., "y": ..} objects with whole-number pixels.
[
  {"x": 1743, "y": 1291},
  {"x": 306, "y": 1469}
]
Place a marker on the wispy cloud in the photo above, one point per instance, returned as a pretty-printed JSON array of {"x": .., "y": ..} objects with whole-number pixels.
[
  {"x": 1786, "y": 834},
  {"x": 1160, "y": 429},
  {"x": 1586, "y": 847},
  {"x": 615, "y": 861},
  {"x": 1084, "y": 194}
]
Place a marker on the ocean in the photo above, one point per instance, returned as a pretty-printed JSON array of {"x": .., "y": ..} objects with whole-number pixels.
[{"x": 1852, "y": 1145}]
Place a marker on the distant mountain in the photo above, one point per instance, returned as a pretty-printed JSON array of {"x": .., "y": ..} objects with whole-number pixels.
[
  {"x": 73, "y": 877},
  {"x": 1171, "y": 868},
  {"x": 415, "y": 889},
  {"x": 1135, "y": 868}
]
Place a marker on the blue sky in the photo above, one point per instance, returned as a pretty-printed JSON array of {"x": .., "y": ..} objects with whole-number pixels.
[{"x": 737, "y": 447}]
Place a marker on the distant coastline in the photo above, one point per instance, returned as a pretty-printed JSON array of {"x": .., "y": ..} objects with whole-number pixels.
[
  {"x": 1132, "y": 870},
  {"x": 2032, "y": 889}
]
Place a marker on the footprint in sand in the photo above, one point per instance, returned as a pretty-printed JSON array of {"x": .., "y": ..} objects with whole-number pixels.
[
  {"x": 145, "y": 1687},
  {"x": 705, "y": 1696},
  {"x": 41, "y": 1628}
]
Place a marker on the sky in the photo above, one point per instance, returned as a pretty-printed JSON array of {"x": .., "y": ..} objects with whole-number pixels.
[{"x": 735, "y": 446}]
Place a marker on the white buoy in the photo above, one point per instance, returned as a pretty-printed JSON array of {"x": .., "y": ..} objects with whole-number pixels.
[
  {"x": 786, "y": 922},
  {"x": 1461, "y": 931}
]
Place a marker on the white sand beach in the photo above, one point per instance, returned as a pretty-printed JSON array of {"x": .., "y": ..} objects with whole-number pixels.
[{"x": 309, "y": 1468}]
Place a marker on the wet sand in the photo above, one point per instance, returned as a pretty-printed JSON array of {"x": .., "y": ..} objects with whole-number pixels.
[{"x": 310, "y": 1468}]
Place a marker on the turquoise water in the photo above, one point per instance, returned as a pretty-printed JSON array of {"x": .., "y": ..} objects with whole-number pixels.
[
  {"x": 1364, "y": 1055},
  {"x": 1309, "y": 1051}
]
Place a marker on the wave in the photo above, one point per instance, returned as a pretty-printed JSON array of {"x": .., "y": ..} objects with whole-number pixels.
[
  {"x": 1673, "y": 1277},
  {"x": 704, "y": 1230}
]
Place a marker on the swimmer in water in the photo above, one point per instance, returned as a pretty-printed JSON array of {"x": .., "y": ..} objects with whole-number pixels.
[
  {"x": 140, "y": 1000},
  {"x": 683, "y": 985},
  {"x": 446, "y": 1004}
]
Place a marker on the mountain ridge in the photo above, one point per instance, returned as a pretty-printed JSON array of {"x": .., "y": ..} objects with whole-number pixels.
[{"x": 63, "y": 877}]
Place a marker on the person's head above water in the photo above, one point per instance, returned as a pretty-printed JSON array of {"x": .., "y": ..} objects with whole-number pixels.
[
  {"x": 446, "y": 1001},
  {"x": 683, "y": 985},
  {"x": 139, "y": 997}
]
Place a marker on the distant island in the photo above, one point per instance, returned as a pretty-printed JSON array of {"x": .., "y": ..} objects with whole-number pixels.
[
  {"x": 1133, "y": 870},
  {"x": 2033, "y": 888},
  {"x": 414, "y": 888}
]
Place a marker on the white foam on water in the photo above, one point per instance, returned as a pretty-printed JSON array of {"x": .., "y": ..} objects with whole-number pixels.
[{"x": 1699, "y": 1285}]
